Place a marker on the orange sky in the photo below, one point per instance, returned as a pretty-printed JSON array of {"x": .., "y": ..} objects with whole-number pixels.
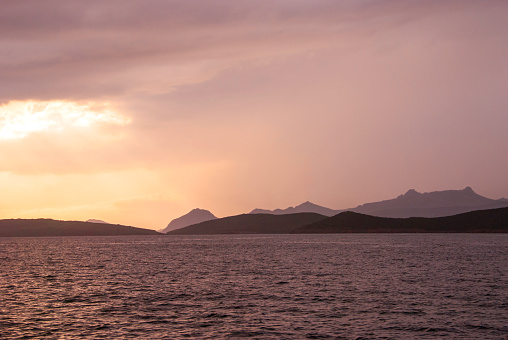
[{"x": 136, "y": 112}]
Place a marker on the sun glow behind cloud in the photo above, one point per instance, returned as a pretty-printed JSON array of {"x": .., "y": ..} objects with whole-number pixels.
[{"x": 18, "y": 119}]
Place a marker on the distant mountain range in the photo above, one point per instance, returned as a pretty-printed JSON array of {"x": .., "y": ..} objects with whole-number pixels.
[
  {"x": 306, "y": 207},
  {"x": 192, "y": 217},
  {"x": 482, "y": 221},
  {"x": 49, "y": 227},
  {"x": 306, "y": 217},
  {"x": 411, "y": 204}
]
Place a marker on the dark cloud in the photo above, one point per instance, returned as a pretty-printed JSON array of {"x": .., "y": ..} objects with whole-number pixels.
[{"x": 56, "y": 49}]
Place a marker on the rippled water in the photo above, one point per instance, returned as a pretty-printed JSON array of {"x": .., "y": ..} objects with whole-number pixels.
[{"x": 282, "y": 287}]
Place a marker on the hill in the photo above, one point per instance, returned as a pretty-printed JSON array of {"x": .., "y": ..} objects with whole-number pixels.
[
  {"x": 306, "y": 207},
  {"x": 49, "y": 227},
  {"x": 193, "y": 217},
  {"x": 482, "y": 221},
  {"x": 251, "y": 224},
  {"x": 92, "y": 220},
  {"x": 431, "y": 204}
]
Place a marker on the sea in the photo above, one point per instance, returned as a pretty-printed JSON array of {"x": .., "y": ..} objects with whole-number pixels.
[{"x": 332, "y": 286}]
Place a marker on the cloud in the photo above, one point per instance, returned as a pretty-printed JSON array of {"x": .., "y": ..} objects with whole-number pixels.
[
  {"x": 82, "y": 50},
  {"x": 20, "y": 119}
]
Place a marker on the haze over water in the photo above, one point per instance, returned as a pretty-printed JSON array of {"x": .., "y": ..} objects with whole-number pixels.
[{"x": 396, "y": 286}]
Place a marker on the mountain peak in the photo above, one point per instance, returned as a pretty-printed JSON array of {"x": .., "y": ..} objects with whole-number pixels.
[
  {"x": 192, "y": 217},
  {"x": 468, "y": 190},
  {"x": 411, "y": 192}
]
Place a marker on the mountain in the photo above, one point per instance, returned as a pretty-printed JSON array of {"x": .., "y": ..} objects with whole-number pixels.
[
  {"x": 96, "y": 221},
  {"x": 306, "y": 207},
  {"x": 432, "y": 204},
  {"x": 481, "y": 221},
  {"x": 192, "y": 217},
  {"x": 48, "y": 227},
  {"x": 251, "y": 224}
]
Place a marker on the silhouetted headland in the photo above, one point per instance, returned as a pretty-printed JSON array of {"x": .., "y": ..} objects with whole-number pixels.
[
  {"x": 482, "y": 221},
  {"x": 251, "y": 224},
  {"x": 48, "y": 227}
]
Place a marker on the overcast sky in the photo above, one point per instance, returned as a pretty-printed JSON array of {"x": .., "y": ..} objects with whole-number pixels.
[{"x": 136, "y": 112}]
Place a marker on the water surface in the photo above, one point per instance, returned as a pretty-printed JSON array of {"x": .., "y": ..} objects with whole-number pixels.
[{"x": 336, "y": 286}]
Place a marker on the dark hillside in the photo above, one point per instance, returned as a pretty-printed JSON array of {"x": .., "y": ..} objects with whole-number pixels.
[
  {"x": 481, "y": 221},
  {"x": 251, "y": 224},
  {"x": 49, "y": 227}
]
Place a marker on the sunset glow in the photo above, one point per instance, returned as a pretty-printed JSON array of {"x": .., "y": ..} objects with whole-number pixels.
[{"x": 137, "y": 114}]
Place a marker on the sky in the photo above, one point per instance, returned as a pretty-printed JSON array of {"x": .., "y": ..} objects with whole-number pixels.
[{"x": 137, "y": 111}]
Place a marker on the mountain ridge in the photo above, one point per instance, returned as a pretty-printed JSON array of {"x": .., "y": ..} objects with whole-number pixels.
[
  {"x": 410, "y": 204},
  {"x": 306, "y": 207},
  {"x": 430, "y": 204}
]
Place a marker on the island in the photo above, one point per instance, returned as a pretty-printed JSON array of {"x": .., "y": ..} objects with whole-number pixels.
[{"x": 43, "y": 227}]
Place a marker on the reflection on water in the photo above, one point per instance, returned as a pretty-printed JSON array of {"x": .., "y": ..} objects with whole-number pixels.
[{"x": 284, "y": 286}]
